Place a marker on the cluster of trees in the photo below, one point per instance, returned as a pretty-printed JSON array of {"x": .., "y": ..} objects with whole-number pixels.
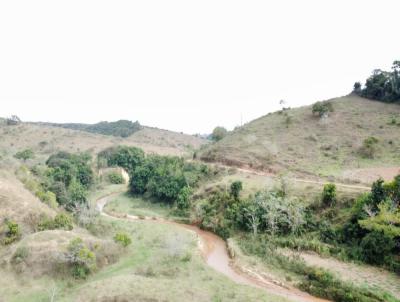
[
  {"x": 168, "y": 178},
  {"x": 381, "y": 85},
  {"x": 372, "y": 233},
  {"x": 123, "y": 128},
  {"x": 68, "y": 176},
  {"x": 269, "y": 212}
]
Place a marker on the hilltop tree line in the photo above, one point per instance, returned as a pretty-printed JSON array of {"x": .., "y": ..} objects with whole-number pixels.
[
  {"x": 381, "y": 85},
  {"x": 122, "y": 128}
]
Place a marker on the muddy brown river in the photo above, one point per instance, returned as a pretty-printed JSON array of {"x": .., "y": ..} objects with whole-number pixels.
[{"x": 215, "y": 254}]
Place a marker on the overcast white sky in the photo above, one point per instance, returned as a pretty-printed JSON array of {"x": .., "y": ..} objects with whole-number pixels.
[{"x": 186, "y": 65}]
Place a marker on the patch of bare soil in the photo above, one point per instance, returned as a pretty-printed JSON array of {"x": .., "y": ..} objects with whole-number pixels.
[
  {"x": 358, "y": 274},
  {"x": 369, "y": 175}
]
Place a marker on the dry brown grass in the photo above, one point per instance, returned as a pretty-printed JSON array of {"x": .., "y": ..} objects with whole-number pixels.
[
  {"x": 18, "y": 204},
  {"x": 312, "y": 145},
  {"x": 45, "y": 250},
  {"x": 46, "y": 140}
]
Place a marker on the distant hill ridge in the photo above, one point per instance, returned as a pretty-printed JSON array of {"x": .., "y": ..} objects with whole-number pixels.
[{"x": 122, "y": 128}]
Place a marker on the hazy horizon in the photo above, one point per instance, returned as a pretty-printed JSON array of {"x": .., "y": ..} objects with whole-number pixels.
[{"x": 186, "y": 66}]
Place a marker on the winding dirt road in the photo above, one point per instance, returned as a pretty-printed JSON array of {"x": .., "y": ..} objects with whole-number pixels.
[{"x": 215, "y": 254}]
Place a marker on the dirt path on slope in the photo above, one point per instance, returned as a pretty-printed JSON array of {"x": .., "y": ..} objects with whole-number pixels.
[
  {"x": 296, "y": 179},
  {"x": 215, "y": 254}
]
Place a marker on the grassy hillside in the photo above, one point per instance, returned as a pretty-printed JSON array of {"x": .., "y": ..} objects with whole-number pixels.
[
  {"x": 47, "y": 140},
  {"x": 297, "y": 140}
]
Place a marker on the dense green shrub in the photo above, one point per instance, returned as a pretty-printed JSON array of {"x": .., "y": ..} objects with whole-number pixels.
[
  {"x": 115, "y": 178},
  {"x": 369, "y": 147},
  {"x": 329, "y": 194},
  {"x": 77, "y": 195},
  {"x": 216, "y": 214},
  {"x": 236, "y": 188},
  {"x": 13, "y": 232},
  {"x": 123, "y": 239},
  {"x": 375, "y": 246},
  {"x": 372, "y": 233},
  {"x": 25, "y": 154},
  {"x": 60, "y": 221},
  {"x": 80, "y": 258},
  {"x": 322, "y": 108},
  {"x": 63, "y": 221},
  {"x": 269, "y": 211},
  {"x": 183, "y": 198}
]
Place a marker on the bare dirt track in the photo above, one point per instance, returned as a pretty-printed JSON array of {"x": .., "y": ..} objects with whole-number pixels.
[
  {"x": 368, "y": 175},
  {"x": 215, "y": 253},
  {"x": 298, "y": 179}
]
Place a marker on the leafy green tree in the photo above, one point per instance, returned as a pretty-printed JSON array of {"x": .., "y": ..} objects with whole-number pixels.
[
  {"x": 123, "y": 156},
  {"x": 168, "y": 179},
  {"x": 375, "y": 246},
  {"x": 276, "y": 214},
  {"x": 236, "y": 188},
  {"x": 77, "y": 194},
  {"x": 218, "y": 133},
  {"x": 25, "y": 154},
  {"x": 386, "y": 220},
  {"x": 378, "y": 193},
  {"x": 140, "y": 177}
]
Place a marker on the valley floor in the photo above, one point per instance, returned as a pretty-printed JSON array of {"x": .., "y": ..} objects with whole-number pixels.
[{"x": 163, "y": 263}]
